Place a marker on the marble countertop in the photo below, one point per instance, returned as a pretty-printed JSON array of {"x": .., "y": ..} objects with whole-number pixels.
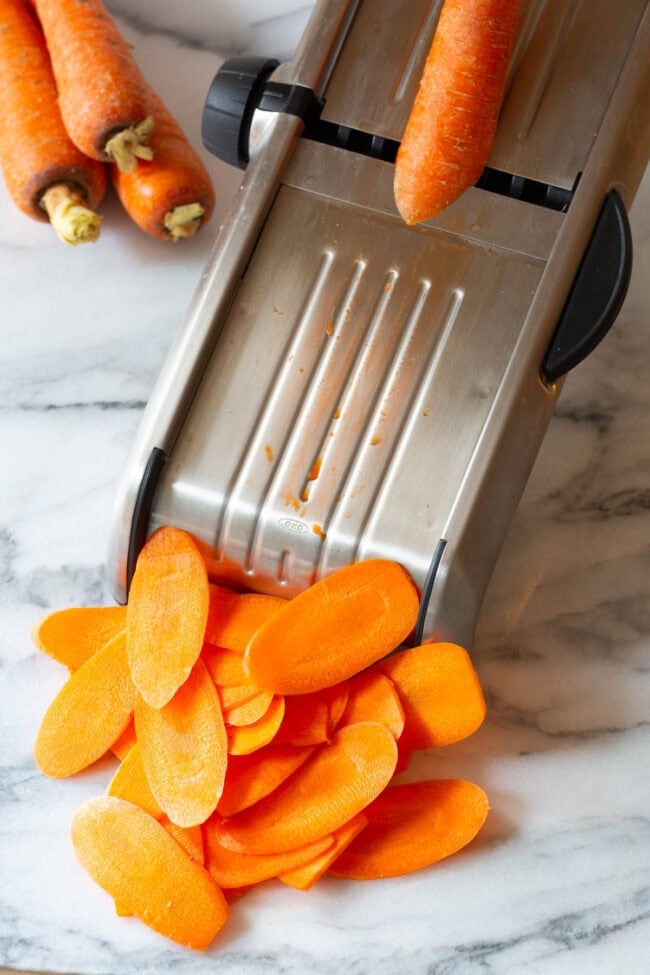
[{"x": 558, "y": 883}]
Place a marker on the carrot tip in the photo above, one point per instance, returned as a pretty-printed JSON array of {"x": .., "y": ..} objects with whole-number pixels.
[
  {"x": 129, "y": 145},
  {"x": 184, "y": 221},
  {"x": 73, "y": 222}
]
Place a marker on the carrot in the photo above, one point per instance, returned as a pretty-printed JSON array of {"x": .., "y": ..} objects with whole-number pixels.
[
  {"x": 235, "y": 617},
  {"x": 166, "y": 615},
  {"x": 305, "y": 876},
  {"x": 312, "y": 718},
  {"x": 372, "y": 697},
  {"x": 331, "y": 631},
  {"x": 249, "y": 711},
  {"x": 412, "y": 826},
  {"x": 184, "y": 749},
  {"x": 250, "y": 778},
  {"x": 225, "y": 666},
  {"x": 123, "y": 745},
  {"x": 439, "y": 691},
  {"x": 190, "y": 838},
  {"x": 248, "y": 738},
  {"x": 102, "y": 94},
  {"x": 130, "y": 783},
  {"x": 236, "y": 694},
  {"x": 72, "y": 636},
  {"x": 47, "y": 177},
  {"x": 335, "y": 784},
  {"x": 232, "y": 869},
  {"x": 88, "y": 714},
  {"x": 130, "y": 855},
  {"x": 170, "y": 196},
  {"x": 451, "y": 128}
]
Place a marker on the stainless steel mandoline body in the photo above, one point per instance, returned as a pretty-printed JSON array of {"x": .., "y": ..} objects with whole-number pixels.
[{"x": 347, "y": 387}]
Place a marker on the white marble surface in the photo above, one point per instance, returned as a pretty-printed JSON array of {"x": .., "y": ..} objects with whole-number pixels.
[{"x": 559, "y": 881}]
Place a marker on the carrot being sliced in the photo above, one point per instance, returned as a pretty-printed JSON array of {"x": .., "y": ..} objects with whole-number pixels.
[
  {"x": 235, "y": 617},
  {"x": 451, "y": 128},
  {"x": 130, "y": 855},
  {"x": 88, "y": 714},
  {"x": 123, "y": 745},
  {"x": 166, "y": 615},
  {"x": 72, "y": 636},
  {"x": 249, "y": 711},
  {"x": 334, "y": 629},
  {"x": 305, "y": 876},
  {"x": 440, "y": 694},
  {"x": 248, "y": 738},
  {"x": 130, "y": 783},
  {"x": 335, "y": 784},
  {"x": 412, "y": 826},
  {"x": 250, "y": 778},
  {"x": 373, "y": 697},
  {"x": 225, "y": 666},
  {"x": 231, "y": 869},
  {"x": 184, "y": 749},
  {"x": 312, "y": 718}
]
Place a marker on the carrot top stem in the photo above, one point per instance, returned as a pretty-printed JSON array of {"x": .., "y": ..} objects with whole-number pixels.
[
  {"x": 73, "y": 222},
  {"x": 129, "y": 145},
  {"x": 184, "y": 221}
]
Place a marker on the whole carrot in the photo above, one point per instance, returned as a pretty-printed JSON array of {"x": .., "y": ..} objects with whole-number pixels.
[
  {"x": 451, "y": 128},
  {"x": 101, "y": 90},
  {"x": 172, "y": 195},
  {"x": 46, "y": 175}
]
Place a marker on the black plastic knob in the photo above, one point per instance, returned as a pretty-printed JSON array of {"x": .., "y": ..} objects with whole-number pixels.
[{"x": 234, "y": 95}]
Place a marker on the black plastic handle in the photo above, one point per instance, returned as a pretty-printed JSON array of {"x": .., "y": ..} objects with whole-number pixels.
[{"x": 234, "y": 95}]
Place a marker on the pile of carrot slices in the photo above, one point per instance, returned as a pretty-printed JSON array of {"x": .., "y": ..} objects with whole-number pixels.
[{"x": 259, "y": 737}]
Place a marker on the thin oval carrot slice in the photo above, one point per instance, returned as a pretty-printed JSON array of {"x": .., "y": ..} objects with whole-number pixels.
[
  {"x": 249, "y": 711},
  {"x": 166, "y": 615},
  {"x": 225, "y": 666},
  {"x": 248, "y": 738},
  {"x": 234, "y": 617},
  {"x": 334, "y": 629},
  {"x": 130, "y": 783},
  {"x": 184, "y": 749},
  {"x": 310, "y": 719},
  {"x": 305, "y": 876},
  {"x": 412, "y": 826},
  {"x": 130, "y": 855},
  {"x": 72, "y": 636},
  {"x": 189, "y": 837},
  {"x": 250, "y": 778},
  {"x": 335, "y": 784},
  {"x": 235, "y": 694},
  {"x": 373, "y": 697},
  {"x": 440, "y": 694},
  {"x": 88, "y": 714},
  {"x": 231, "y": 869},
  {"x": 123, "y": 745}
]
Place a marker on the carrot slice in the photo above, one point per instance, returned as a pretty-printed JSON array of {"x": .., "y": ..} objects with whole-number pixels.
[
  {"x": 123, "y": 745},
  {"x": 333, "y": 630},
  {"x": 130, "y": 783},
  {"x": 166, "y": 616},
  {"x": 130, "y": 855},
  {"x": 310, "y": 719},
  {"x": 305, "y": 876},
  {"x": 236, "y": 694},
  {"x": 250, "y": 778},
  {"x": 231, "y": 869},
  {"x": 234, "y": 617},
  {"x": 225, "y": 666},
  {"x": 373, "y": 697},
  {"x": 72, "y": 636},
  {"x": 412, "y": 826},
  {"x": 189, "y": 837},
  {"x": 184, "y": 749},
  {"x": 440, "y": 694},
  {"x": 249, "y": 711},
  {"x": 88, "y": 714},
  {"x": 451, "y": 128},
  {"x": 248, "y": 738},
  {"x": 335, "y": 784}
]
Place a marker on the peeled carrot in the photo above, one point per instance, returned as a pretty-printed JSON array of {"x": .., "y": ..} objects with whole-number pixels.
[
  {"x": 88, "y": 714},
  {"x": 170, "y": 196},
  {"x": 334, "y": 629},
  {"x": 234, "y": 695},
  {"x": 123, "y": 745},
  {"x": 312, "y": 718},
  {"x": 412, "y": 826},
  {"x": 232, "y": 869},
  {"x": 189, "y": 837},
  {"x": 304, "y": 877},
  {"x": 184, "y": 749},
  {"x": 166, "y": 616},
  {"x": 225, "y": 666},
  {"x": 102, "y": 94},
  {"x": 439, "y": 691},
  {"x": 372, "y": 697},
  {"x": 249, "y": 737},
  {"x": 72, "y": 636},
  {"x": 250, "y": 778},
  {"x": 235, "y": 617},
  {"x": 452, "y": 125},
  {"x": 47, "y": 177},
  {"x": 249, "y": 711},
  {"x": 130, "y": 783},
  {"x": 335, "y": 784},
  {"x": 130, "y": 855}
]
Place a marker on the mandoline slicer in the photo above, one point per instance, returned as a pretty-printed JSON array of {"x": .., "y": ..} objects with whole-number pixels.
[{"x": 347, "y": 387}]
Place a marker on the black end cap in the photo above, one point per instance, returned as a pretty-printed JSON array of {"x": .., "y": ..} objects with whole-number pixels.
[{"x": 234, "y": 95}]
